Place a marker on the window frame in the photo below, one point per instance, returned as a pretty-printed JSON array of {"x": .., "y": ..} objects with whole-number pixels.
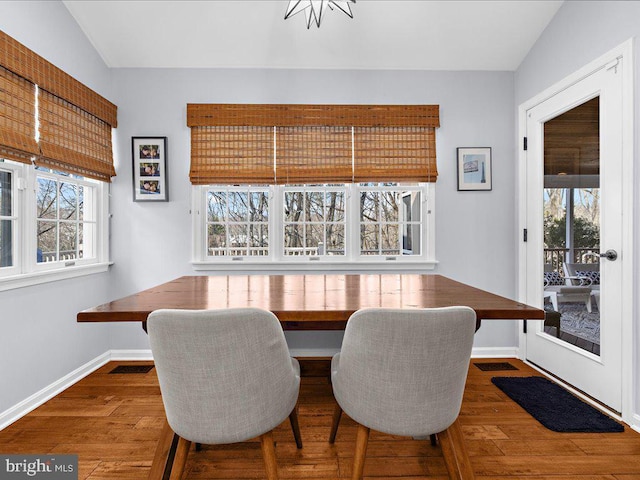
[
  {"x": 75, "y": 180},
  {"x": 16, "y": 179},
  {"x": 352, "y": 260},
  {"x": 27, "y": 270}
]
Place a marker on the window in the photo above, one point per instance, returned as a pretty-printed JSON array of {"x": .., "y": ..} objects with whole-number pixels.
[
  {"x": 8, "y": 220},
  {"x": 66, "y": 218},
  {"x": 52, "y": 225},
  {"x": 295, "y": 224},
  {"x": 390, "y": 221},
  {"x": 53, "y": 216},
  {"x": 346, "y": 184},
  {"x": 314, "y": 221},
  {"x": 237, "y": 222}
]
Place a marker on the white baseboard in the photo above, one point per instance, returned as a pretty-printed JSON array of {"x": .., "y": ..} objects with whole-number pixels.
[
  {"x": 499, "y": 352},
  {"x": 124, "y": 355},
  {"x": 636, "y": 423},
  {"x": 313, "y": 352},
  {"x": 34, "y": 401},
  {"x": 494, "y": 352}
]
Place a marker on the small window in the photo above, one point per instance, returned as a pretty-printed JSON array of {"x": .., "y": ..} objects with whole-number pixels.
[
  {"x": 238, "y": 222},
  {"x": 390, "y": 220},
  {"x": 314, "y": 221},
  {"x": 66, "y": 219}
]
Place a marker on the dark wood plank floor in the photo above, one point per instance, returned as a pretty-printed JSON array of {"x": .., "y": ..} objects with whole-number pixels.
[{"x": 112, "y": 422}]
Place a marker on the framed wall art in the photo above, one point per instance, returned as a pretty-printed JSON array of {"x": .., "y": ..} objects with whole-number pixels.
[
  {"x": 474, "y": 168},
  {"x": 150, "y": 180}
]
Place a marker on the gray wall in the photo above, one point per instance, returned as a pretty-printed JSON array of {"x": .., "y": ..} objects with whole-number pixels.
[
  {"x": 40, "y": 341},
  {"x": 475, "y": 230},
  {"x": 578, "y": 34}
]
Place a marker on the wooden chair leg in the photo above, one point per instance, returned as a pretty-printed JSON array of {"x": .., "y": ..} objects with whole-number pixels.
[
  {"x": 182, "y": 452},
  {"x": 165, "y": 453},
  {"x": 269, "y": 455},
  {"x": 295, "y": 426},
  {"x": 455, "y": 453},
  {"x": 337, "y": 414},
  {"x": 362, "y": 439}
]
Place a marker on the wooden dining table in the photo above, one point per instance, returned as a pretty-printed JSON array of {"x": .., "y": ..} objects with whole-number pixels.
[{"x": 311, "y": 302}]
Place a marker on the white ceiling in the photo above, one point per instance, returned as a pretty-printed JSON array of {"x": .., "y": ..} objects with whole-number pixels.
[{"x": 383, "y": 34}]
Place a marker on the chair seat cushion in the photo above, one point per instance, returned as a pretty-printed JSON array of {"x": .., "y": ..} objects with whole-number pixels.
[{"x": 566, "y": 289}]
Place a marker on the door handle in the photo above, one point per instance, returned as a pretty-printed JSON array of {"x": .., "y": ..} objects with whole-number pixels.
[{"x": 610, "y": 255}]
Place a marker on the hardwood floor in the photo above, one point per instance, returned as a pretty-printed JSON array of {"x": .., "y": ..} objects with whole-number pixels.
[{"x": 112, "y": 421}]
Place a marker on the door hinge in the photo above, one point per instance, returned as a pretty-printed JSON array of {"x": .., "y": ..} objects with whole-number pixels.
[
  {"x": 524, "y": 235},
  {"x": 524, "y": 143},
  {"x": 524, "y": 326}
]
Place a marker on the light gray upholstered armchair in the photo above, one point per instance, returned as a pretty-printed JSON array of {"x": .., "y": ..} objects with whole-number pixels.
[
  {"x": 403, "y": 372},
  {"x": 225, "y": 376}
]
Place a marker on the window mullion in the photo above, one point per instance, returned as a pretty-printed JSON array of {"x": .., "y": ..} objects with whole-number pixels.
[
  {"x": 352, "y": 219},
  {"x": 29, "y": 228},
  {"x": 276, "y": 222}
]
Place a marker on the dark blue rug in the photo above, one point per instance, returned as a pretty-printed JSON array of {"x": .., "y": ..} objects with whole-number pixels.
[{"x": 554, "y": 407}]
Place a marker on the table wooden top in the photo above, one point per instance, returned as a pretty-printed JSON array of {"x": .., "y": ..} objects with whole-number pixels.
[{"x": 310, "y": 302}]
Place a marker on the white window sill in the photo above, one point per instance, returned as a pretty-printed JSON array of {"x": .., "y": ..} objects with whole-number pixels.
[
  {"x": 315, "y": 266},
  {"x": 37, "y": 278}
]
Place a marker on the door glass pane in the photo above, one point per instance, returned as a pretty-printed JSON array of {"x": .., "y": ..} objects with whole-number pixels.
[{"x": 572, "y": 226}]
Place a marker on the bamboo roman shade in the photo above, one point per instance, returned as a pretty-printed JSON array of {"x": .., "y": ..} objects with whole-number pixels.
[
  {"x": 17, "y": 118},
  {"x": 73, "y": 140},
  {"x": 313, "y": 155},
  {"x": 75, "y": 122},
  {"x": 232, "y": 155},
  {"x": 394, "y": 153},
  {"x": 314, "y": 143}
]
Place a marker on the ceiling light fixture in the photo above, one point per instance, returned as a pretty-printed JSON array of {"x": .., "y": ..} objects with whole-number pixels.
[{"x": 314, "y": 9}]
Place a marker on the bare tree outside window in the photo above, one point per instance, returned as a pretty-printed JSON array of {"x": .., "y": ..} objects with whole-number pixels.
[
  {"x": 60, "y": 215},
  {"x": 584, "y": 235},
  {"x": 238, "y": 222},
  {"x": 389, "y": 225},
  {"x": 314, "y": 221}
]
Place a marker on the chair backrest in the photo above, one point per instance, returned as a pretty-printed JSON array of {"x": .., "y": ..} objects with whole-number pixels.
[
  {"x": 403, "y": 371},
  {"x": 589, "y": 270},
  {"x": 552, "y": 277},
  {"x": 225, "y": 375}
]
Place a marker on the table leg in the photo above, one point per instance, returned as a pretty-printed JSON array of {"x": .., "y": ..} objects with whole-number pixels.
[{"x": 165, "y": 454}]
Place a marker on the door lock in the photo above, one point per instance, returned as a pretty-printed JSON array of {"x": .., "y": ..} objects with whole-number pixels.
[{"x": 610, "y": 255}]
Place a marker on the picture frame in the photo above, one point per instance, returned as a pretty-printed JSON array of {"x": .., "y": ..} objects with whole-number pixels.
[
  {"x": 474, "y": 168},
  {"x": 150, "y": 178}
]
